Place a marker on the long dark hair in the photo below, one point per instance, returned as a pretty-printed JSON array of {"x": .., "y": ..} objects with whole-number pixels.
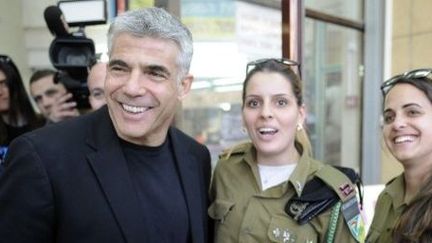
[
  {"x": 20, "y": 108},
  {"x": 415, "y": 222}
]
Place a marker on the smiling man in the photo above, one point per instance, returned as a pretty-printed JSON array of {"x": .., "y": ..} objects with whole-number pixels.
[{"x": 121, "y": 173}]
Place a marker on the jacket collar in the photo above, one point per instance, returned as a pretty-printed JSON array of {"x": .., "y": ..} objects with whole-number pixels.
[
  {"x": 110, "y": 168},
  {"x": 189, "y": 173},
  {"x": 303, "y": 172}
]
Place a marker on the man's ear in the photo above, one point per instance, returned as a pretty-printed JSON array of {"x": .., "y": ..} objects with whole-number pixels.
[{"x": 184, "y": 86}]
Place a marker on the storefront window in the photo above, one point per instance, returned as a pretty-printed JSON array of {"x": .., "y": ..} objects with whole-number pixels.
[
  {"x": 347, "y": 9},
  {"x": 228, "y": 34},
  {"x": 333, "y": 74}
]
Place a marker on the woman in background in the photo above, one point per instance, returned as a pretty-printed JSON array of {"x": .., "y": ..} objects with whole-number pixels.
[
  {"x": 407, "y": 132},
  {"x": 16, "y": 112},
  {"x": 415, "y": 223},
  {"x": 270, "y": 189}
]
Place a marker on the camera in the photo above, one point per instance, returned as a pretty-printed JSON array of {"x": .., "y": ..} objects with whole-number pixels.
[{"x": 71, "y": 53}]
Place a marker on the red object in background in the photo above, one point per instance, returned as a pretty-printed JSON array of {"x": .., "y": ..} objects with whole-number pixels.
[
  {"x": 121, "y": 6},
  {"x": 351, "y": 101}
]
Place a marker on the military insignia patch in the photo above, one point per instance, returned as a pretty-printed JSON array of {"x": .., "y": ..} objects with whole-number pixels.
[
  {"x": 296, "y": 209},
  {"x": 353, "y": 219},
  {"x": 284, "y": 235}
]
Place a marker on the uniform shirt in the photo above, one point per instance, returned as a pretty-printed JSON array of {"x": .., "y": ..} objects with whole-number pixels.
[
  {"x": 243, "y": 213},
  {"x": 388, "y": 209}
]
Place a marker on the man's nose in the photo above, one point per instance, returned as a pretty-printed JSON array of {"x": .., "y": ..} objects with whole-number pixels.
[
  {"x": 136, "y": 84},
  {"x": 46, "y": 102}
]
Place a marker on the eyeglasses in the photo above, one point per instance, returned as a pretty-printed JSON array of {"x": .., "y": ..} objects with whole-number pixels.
[
  {"x": 287, "y": 62},
  {"x": 5, "y": 59},
  {"x": 414, "y": 74}
]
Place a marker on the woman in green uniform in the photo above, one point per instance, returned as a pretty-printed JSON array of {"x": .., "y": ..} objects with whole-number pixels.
[
  {"x": 270, "y": 189},
  {"x": 407, "y": 115}
]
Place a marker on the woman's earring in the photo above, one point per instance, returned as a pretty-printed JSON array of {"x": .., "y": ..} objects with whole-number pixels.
[
  {"x": 299, "y": 127},
  {"x": 243, "y": 129}
]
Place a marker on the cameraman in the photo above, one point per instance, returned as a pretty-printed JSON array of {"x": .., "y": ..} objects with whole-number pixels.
[{"x": 53, "y": 100}]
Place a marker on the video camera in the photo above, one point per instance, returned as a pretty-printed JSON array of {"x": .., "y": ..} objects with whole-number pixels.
[{"x": 71, "y": 53}]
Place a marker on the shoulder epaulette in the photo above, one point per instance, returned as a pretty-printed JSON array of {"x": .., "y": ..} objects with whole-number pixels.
[
  {"x": 391, "y": 180},
  {"x": 339, "y": 179},
  {"x": 235, "y": 150},
  {"x": 329, "y": 186}
]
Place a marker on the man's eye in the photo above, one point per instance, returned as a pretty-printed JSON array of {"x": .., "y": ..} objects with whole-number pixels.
[
  {"x": 37, "y": 99},
  {"x": 51, "y": 93},
  {"x": 118, "y": 69},
  {"x": 157, "y": 75},
  {"x": 97, "y": 93}
]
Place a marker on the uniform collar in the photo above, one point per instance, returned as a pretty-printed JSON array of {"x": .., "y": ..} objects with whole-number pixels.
[
  {"x": 301, "y": 174},
  {"x": 396, "y": 190}
]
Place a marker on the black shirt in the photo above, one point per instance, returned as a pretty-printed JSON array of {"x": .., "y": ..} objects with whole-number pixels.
[
  {"x": 9, "y": 132},
  {"x": 12, "y": 132},
  {"x": 155, "y": 177}
]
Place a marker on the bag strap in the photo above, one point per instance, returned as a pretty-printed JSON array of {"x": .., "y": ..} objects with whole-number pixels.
[
  {"x": 331, "y": 231},
  {"x": 342, "y": 180}
]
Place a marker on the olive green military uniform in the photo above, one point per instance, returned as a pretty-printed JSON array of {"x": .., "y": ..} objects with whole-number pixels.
[
  {"x": 243, "y": 213},
  {"x": 388, "y": 209}
]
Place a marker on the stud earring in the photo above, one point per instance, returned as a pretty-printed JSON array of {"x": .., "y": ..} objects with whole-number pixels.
[
  {"x": 299, "y": 127},
  {"x": 243, "y": 130}
]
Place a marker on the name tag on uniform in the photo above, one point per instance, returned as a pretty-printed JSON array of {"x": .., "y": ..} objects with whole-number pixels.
[{"x": 353, "y": 219}]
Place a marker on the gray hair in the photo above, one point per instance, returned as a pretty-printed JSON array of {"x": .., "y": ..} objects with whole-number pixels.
[{"x": 155, "y": 23}]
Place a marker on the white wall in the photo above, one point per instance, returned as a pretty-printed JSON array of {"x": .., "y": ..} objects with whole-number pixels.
[
  {"x": 12, "y": 34},
  {"x": 25, "y": 37}
]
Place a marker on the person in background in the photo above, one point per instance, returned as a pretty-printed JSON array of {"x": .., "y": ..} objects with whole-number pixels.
[
  {"x": 121, "y": 173},
  {"x": 95, "y": 83},
  {"x": 52, "y": 99},
  {"x": 16, "y": 112},
  {"x": 407, "y": 132},
  {"x": 271, "y": 189}
]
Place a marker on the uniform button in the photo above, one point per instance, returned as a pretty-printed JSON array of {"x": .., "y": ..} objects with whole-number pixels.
[
  {"x": 247, "y": 230},
  {"x": 298, "y": 185}
]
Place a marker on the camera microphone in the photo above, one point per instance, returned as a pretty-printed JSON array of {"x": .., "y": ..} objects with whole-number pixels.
[{"x": 56, "y": 22}]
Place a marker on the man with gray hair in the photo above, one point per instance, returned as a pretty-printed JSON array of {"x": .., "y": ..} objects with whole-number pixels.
[{"x": 122, "y": 173}]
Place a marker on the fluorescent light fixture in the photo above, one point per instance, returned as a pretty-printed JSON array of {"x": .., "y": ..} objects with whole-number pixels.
[
  {"x": 229, "y": 88},
  {"x": 201, "y": 84},
  {"x": 225, "y": 106},
  {"x": 84, "y": 12},
  {"x": 226, "y": 81}
]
